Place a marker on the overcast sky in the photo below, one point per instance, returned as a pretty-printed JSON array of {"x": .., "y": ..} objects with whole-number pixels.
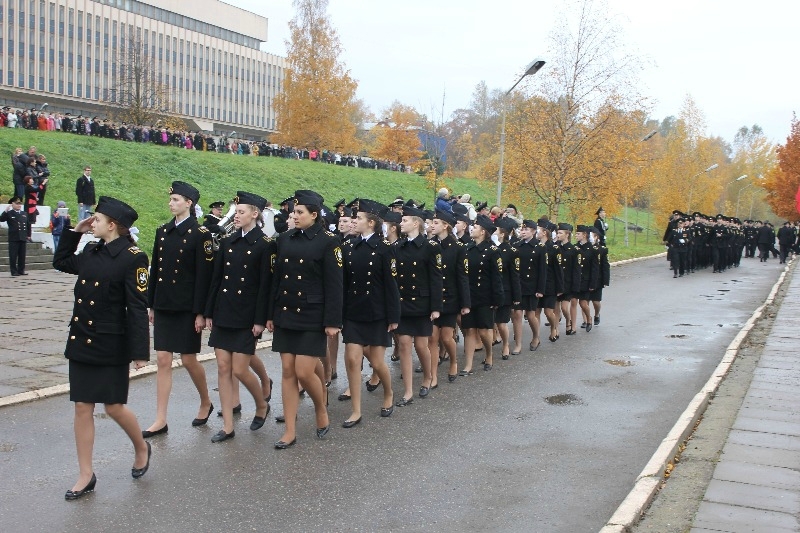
[{"x": 737, "y": 59}]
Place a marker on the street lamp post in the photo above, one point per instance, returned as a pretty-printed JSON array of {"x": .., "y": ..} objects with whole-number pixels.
[
  {"x": 645, "y": 139},
  {"x": 739, "y": 195},
  {"x": 532, "y": 68},
  {"x": 691, "y": 188},
  {"x": 725, "y": 191}
]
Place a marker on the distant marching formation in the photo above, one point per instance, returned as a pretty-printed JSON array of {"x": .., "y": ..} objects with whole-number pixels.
[
  {"x": 371, "y": 274},
  {"x": 697, "y": 241}
]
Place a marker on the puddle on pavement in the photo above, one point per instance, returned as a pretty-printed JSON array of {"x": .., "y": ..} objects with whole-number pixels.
[
  {"x": 723, "y": 290},
  {"x": 563, "y": 399},
  {"x": 6, "y": 447},
  {"x": 691, "y": 325},
  {"x": 618, "y": 362},
  {"x": 677, "y": 336}
]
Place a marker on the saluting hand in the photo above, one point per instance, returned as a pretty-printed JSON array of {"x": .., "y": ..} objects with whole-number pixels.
[{"x": 84, "y": 225}]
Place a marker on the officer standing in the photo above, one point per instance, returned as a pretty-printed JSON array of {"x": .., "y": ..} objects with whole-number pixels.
[
  {"x": 601, "y": 225},
  {"x": 84, "y": 190},
  {"x": 17, "y": 221}
]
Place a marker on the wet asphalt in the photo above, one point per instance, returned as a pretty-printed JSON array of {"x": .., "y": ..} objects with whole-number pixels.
[{"x": 487, "y": 452}]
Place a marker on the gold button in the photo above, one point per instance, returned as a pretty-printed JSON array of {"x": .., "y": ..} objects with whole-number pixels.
[
  {"x": 414, "y": 263},
  {"x": 160, "y": 248},
  {"x": 245, "y": 266},
  {"x": 224, "y": 290},
  {"x": 239, "y": 292},
  {"x": 284, "y": 292},
  {"x": 184, "y": 241},
  {"x": 80, "y": 301},
  {"x": 248, "y": 252},
  {"x": 299, "y": 277},
  {"x": 242, "y": 279},
  {"x": 88, "y": 341},
  {"x": 284, "y": 309},
  {"x": 401, "y": 298},
  {"x": 286, "y": 276},
  {"x": 159, "y": 279},
  {"x": 226, "y": 277},
  {"x": 91, "y": 302},
  {"x": 230, "y": 250},
  {"x": 72, "y": 338},
  {"x": 298, "y": 309},
  {"x": 299, "y": 293},
  {"x": 176, "y": 270},
  {"x": 368, "y": 283},
  {"x": 181, "y": 251},
  {"x": 367, "y": 292},
  {"x": 90, "y": 322},
  {"x": 75, "y": 319},
  {"x": 160, "y": 269},
  {"x": 413, "y": 299},
  {"x": 228, "y": 263},
  {"x": 301, "y": 260},
  {"x": 285, "y": 260},
  {"x": 370, "y": 263},
  {"x": 83, "y": 282},
  {"x": 162, "y": 238},
  {"x": 173, "y": 281}
]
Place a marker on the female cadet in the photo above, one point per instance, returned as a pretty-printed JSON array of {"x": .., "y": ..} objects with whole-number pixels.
[
  {"x": 485, "y": 291},
  {"x": 236, "y": 311},
  {"x": 587, "y": 272},
  {"x": 391, "y": 230},
  {"x": 511, "y": 282},
  {"x": 305, "y": 309},
  {"x": 533, "y": 277},
  {"x": 604, "y": 279},
  {"x": 183, "y": 258},
  {"x": 371, "y": 306},
  {"x": 418, "y": 264},
  {"x": 108, "y": 330},
  {"x": 568, "y": 300},
  {"x": 455, "y": 297},
  {"x": 554, "y": 279}
]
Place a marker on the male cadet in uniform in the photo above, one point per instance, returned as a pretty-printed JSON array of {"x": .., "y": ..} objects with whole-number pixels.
[
  {"x": 786, "y": 239},
  {"x": 211, "y": 220},
  {"x": 17, "y": 235},
  {"x": 282, "y": 216}
]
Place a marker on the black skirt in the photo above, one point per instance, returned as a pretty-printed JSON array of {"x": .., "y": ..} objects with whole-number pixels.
[
  {"x": 415, "y": 326},
  {"x": 237, "y": 340},
  {"x": 548, "y": 301},
  {"x": 448, "y": 320},
  {"x": 478, "y": 318},
  {"x": 173, "y": 331},
  {"x": 298, "y": 342},
  {"x": 502, "y": 314},
  {"x": 366, "y": 333},
  {"x": 596, "y": 295},
  {"x": 98, "y": 384},
  {"x": 528, "y": 303}
]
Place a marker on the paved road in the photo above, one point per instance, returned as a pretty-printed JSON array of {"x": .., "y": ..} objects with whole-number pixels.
[{"x": 485, "y": 453}]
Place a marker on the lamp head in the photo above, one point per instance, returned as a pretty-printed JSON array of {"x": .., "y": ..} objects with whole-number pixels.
[
  {"x": 534, "y": 66},
  {"x": 712, "y": 167},
  {"x": 740, "y": 178},
  {"x": 650, "y": 135}
]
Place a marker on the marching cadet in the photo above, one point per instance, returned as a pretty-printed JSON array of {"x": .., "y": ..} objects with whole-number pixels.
[
  {"x": 305, "y": 309},
  {"x": 568, "y": 300},
  {"x": 511, "y": 284},
  {"x": 236, "y": 309},
  {"x": 107, "y": 332},
  {"x": 391, "y": 231},
  {"x": 183, "y": 258},
  {"x": 17, "y": 221},
  {"x": 455, "y": 294},
  {"x": 604, "y": 278},
  {"x": 719, "y": 237},
  {"x": 586, "y": 275},
  {"x": 533, "y": 278},
  {"x": 371, "y": 307},
  {"x": 462, "y": 223},
  {"x": 485, "y": 268},
  {"x": 418, "y": 266},
  {"x": 346, "y": 234},
  {"x": 554, "y": 279}
]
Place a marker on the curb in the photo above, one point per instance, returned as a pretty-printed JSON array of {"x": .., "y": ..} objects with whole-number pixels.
[
  {"x": 56, "y": 390},
  {"x": 647, "y": 482},
  {"x": 635, "y": 259}
]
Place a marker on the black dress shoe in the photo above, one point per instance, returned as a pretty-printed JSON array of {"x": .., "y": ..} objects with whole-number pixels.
[
  {"x": 321, "y": 432},
  {"x": 403, "y": 402},
  {"x": 350, "y": 423},
  {"x": 495, "y": 343},
  {"x": 588, "y": 327},
  {"x": 75, "y": 494},
  {"x": 466, "y": 373},
  {"x": 418, "y": 370},
  {"x": 504, "y": 357},
  {"x": 534, "y": 348},
  {"x": 258, "y": 421},
  {"x": 222, "y": 436},
  {"x": 371, "y": 387},
  {"x": 596, "y": 320},
  {"x": 451, "y": 377},
  {"x": 281, "y": 445},
  {"x": 280, "y": 419},
  {"x": 202, "y": 421},
  {"x": 487, "y": 367},
  {"x": 343, "y": 397},
  {"x": 387, "y": 411},
  {"x": 139, "y": 472},
  {"x": 236, "y": 410},
  {"x": 147, "y": 434},
  {"x": 334, "y": 376},
  {"x": 424, "y": 391},
  {"x": 583, "y": 325}
]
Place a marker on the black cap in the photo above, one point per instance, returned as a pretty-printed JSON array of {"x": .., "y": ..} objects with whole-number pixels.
[
  {"x": 486, "y": 223},
  {"x": 428, "y": 214},
  {"x": 393, "y": 217},
  {"x": 511, "y": 206},
  {"x": 543, "y": 222},
  {"x": 340, "y": 202},
  {"x": 397, "y": 203},
  {"x": 185, "y": 190},
  {"x": 15, "y": 200},
  {"x": 583, "y": 229},
  {"x": 347, "y": 212},
  {"x": 124, "y": 214},
  {"x": 551, "y": 226},
  {"x": 411, "y": 211},
  {"x": 459, "y": 209},
  {"x": 372, "y": 207},
  {"x": 250, "y": 199},
  {"x": 527, "y": 223},
  {"x": 506, "y": 223},
  {"x": 481, "y": 205},
  {"x": 216, "y": 205},
  {"x": 287, "y": 201},
  {"x": 306, "y": 197},
  {"x": 563, "y": 226},
  {"x": 353, "y": 204},
  {"x": 598, "y": 210},
  {"x": 444, "y": 216}
]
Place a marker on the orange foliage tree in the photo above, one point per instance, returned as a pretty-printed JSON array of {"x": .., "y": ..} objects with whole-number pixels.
[
  {"x": 782, "y": 180},
  {"x": 397, "y": 137},
  {"x": 317, "y": 104}
]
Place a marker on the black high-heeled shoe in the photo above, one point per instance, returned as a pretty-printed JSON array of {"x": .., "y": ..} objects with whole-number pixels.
[
  {"x": 75, "y": 494},
  {"x": 236, "y": 410},
  {"x": 147, "y": 434},
  {"x": 281, "y": 445},
  {"x": 202, "y": 421},
  {"x": 139, "y": 472},
  {"x": 321, "y": 432},
  {"x": 371, "y": 387}
]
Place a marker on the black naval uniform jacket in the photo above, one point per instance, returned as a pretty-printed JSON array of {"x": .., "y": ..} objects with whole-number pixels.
[
  {"x": 182, "y": 259},
  {"x": 511, "y": 273},
  {"x": 455, "y": 275},
  {"x": 417, "y": 264},
  {"x": 586, "y": 265},
  {"x": 533, "y": 271},
  {"x": 572, "y": 275},
  {"x": 370, "y": 293},
  {"x": 239, "y": 294},
  {"x": 554, "y": 283},
  {"x": 109, "y": 324},
  {"x": 84, "y": 190},
  {"x": 601, "y": 255},
  {"x": 211, "y": 223},
  {"x": 17, "y": 224},
  {"x": 679, "y": 240},
  {"x": 308, "y": 291},
  {"x": 485, "y": 275}
]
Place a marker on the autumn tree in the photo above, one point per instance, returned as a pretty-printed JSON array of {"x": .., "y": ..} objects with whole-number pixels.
[
  {"x": 576, "y": 145},
  {"x": 783, "y": 179},
  {"x": 397, "y": 135},
  {"x": 317, "y": 105},
  {"x": 137, "y": 94}
]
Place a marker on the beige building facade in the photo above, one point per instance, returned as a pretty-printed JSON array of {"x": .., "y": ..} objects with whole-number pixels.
[{"x": 205, "y": 54}]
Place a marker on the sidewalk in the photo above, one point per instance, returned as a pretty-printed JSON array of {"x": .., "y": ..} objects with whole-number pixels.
[{"x": 756, "y": 483}]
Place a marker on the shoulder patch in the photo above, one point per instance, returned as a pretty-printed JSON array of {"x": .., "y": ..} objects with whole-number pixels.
[
  {"x": 431, "y": 242},
  {"x": 141, "y": 279},
  {"x": 493, "y": 247},
  {"x": 329, "y": 234},
  {"x": 134, "y": 250},
  {"x": 203, "y": 229}
]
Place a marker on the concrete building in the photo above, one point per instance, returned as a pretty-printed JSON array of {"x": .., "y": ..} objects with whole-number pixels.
[{"x": 205, "y": 53}]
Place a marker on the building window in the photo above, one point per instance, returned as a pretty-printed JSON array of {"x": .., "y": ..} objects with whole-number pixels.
[{"x": 41, "y": 83}]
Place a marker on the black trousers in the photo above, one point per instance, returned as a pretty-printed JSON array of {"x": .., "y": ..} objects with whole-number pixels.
[
  {"x": 680, "y": 261},
  {"x": 784, "y": 251},
  {"x": 763, "y": 251},
  {"x": 16, "y": 257}
]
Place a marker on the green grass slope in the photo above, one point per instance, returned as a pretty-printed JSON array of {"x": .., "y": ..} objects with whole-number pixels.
[{"x": 141, "y": 175}]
